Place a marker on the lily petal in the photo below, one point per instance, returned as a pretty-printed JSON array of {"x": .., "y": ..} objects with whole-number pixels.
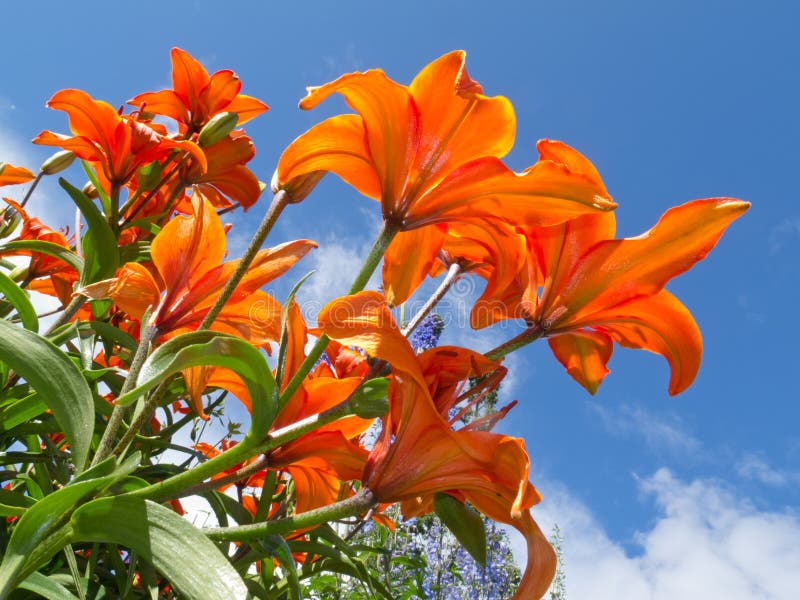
[{"x": 584, "y": 355}]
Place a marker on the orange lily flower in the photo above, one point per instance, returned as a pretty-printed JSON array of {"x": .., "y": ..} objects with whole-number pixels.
[
  {"x": 596, "y": 290},
  {"x": 197, "y": 96},
  {"x": 490, "y": 247},
  {"x": 419, "y": 455},
  {"x": 187, "y": 255},
  {"x": 119, "y": 143},
  {"x": 11, "y": 175},
  {"x": 430, "y": 152}
]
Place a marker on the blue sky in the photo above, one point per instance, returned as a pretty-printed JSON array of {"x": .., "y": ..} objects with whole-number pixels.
[{"x": 672, "y": 101}]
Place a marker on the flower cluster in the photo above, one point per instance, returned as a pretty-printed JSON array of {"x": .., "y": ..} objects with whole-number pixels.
[{"x": 153, "y": 315}]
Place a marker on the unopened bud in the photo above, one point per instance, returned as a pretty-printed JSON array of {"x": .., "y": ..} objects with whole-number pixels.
[
  {"x": 58, "y": 162},
  {"x": 148, "y": 176},
  {"x": 217, "y": 129},
  {"x": 9, "y": 221},
  {"x": 298, "y": 188},
  {"x": 370, "y": 400},
  {"x": 90, "y": 191}
]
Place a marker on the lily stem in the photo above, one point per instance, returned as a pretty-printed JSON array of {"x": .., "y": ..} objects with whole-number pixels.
[
  {"x": 150, "y": 333},
  {"x": 178, "y": 486},
  {"x": 532, "y": 333},
  {"x": 452, "y": 276},
  {"x": 30, "y": 189},
  {"x": 279, "y": 202},
  {"x": 382, "y": 241},
  {"x": 353, "y": 506},
  {"x": 69, "y": 311}
]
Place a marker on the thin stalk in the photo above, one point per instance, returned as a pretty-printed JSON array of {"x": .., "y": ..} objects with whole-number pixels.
[
  {"x": 382, "y": 241},
  {"x": 452, "y": 276},
  {"x": 140, "y": 418},
  {"x": 259, "y": 464},
  {"x": 73, "y": 307},
  {"x": 532, "y": 333},
  {"x": 279, "y": 202},
  {"x": 353, "y": 506},
  {"x": 134, "y": 210},
  {"x": 175, "y": 486},
  {"x": 28, "y": 194},
  {"x": 149, "y": 334}
]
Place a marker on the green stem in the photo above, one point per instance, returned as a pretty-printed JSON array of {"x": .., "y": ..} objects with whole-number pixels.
[
  {"x": 532, "y": 333},
  {"x": 279, "y": 202},
  {"x": 150, "y": 333},
  {"x": 385, "y": 237},
  {"x": 353, "y": 506},
  {"x": 73, "y": 307},
  {"x": 177, "y": 485}
]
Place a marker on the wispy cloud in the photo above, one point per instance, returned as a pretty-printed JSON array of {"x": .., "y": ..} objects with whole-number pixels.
[
  {"x": 706, "y": 542},
  {"x": 659, "y": 432},
  {"x": 755, "y": 467},
  {"x": 783, "y": 233}
]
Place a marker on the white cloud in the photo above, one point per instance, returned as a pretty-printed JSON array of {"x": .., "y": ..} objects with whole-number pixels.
[
  {"x": 660, "y": 433},
  {"x": 755, "y": 467},
  {"x": 783, "y": 233},
  {"x": 707, "y": 542},
  {"x": 336, "y": 265}
]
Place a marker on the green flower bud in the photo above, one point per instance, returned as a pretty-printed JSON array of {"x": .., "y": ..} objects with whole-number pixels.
[
  {"x": 370, "y": 400},
  {"x": 58, "y": 162},
  {"x": 9, "y": 221},
  {"x": 90, "y": 191},
  {"x": 217, "y": 129}
]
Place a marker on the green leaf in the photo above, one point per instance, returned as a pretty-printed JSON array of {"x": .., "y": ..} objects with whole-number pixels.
[
  {"x": 13, "y": 503},
  {"x": 465, "y": 523},
  {"x": 57, "y": 380},
  {"x": 213, "y": 348},
  {"x": 105, "y": 201},
  {"x": 21, "y": 411},
  {"x": 278, "y": 548},
  {"x": 46, "y": 587},
  {"x": 19, "y": 299},
  {"x": 284, "y": 343},
  {"x": 49, "y": 248},
  {"x": 99, "y": 244},
  {"x": 51, "y": 512},
  {"x": 171, "y": 544}
]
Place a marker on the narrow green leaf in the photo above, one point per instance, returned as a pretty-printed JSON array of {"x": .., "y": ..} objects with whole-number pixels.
[
  {"x": 99, "y": 244},
  {"x": 105, "y": 201},
  {"x": 19, "y": 299},
  {"x": 284, "y": 343},
  {"x": 57, "y": 380},
  {"x": 49, "y": 248},
  {"x": 21, "y": 411},
  {"x": 213, "y": 348},
  {"x": 465, "y": 523},
  {"x": 278, "y": 548},
  {"x": 171, "y": 544},
  {"x": 47, "y": 588}
]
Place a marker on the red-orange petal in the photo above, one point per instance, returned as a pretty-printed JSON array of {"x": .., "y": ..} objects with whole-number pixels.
[
  {"x": 408, "y": 260},
  {"x": 584, "y": 355},
  {"x": 660, "y": 324},
  {"x": 11, "y": 175},
  {"x": 615, "y": 271},
  {"x": 338, "y": 145}
]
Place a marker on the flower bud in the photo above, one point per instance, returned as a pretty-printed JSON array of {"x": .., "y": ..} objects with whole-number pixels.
[
  {"x": 148, "y": 176},
  {"x": 370, "y": 400},
  {"x": 298, "y": 188},
  {"x": 9, "y": 221},
  {"x": 90, "y": 191},
  {"x": 58, "y": 162},
  {"x": 217, "y": 129}
]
